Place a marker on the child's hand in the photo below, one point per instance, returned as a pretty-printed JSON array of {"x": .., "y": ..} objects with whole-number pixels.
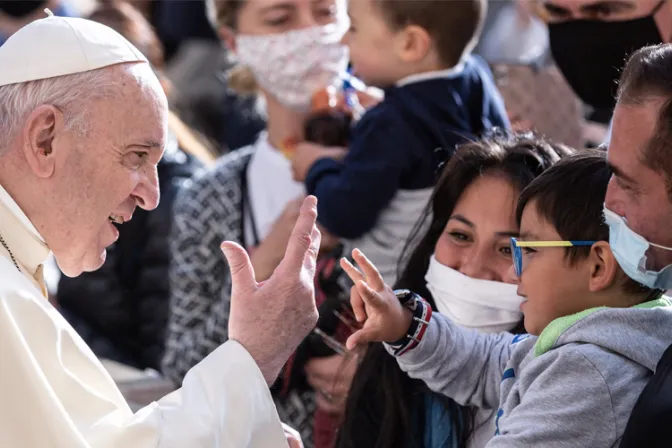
[
  {"x": 306, "y": 153},
  {"x": 375, "y": 304}
]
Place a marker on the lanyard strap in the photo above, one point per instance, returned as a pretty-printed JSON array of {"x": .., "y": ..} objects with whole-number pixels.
[{"x": 246, "y": 211}]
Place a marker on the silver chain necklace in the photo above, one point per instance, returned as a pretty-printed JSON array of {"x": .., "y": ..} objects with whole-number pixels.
[{"x": 11, "y": 255}]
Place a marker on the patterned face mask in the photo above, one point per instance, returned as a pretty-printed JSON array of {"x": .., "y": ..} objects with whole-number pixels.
[{"x": 291, "y": 66}]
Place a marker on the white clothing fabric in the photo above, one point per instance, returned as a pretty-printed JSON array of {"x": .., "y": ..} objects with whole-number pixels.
[
  {"x": 16, "y": 211},
  {"x": 55, "y": 393},
  {"x": 57, "y": 46},
  {"x": 515, "y": 37},
  {"x": 270, "y": 185},
  {"x": 52, "y": 275},
  {"x": 484, "y": 305},
  {"x": 383, "y": 245}
]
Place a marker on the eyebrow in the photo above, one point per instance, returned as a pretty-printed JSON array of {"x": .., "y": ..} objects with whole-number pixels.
[
  {"x": 151, "y": 143},
  {"x": 528, "y": 236},
  {"x": 620, "y": 174},
  {"x": 278, "y": 6},
  {"x": 470, "y": 224},
  {"x": 618, "y": 5}
]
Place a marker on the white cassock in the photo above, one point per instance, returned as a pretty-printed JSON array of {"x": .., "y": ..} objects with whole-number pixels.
[{"x": 55, "y": 393}]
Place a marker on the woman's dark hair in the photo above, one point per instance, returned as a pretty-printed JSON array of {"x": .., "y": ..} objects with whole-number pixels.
[{"x": 379, "y": 404}]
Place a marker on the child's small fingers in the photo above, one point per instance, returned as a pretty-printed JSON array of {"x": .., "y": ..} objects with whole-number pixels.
[
  {"x": 373, "y": 277},
  {"x": 360, "y": 337},
  {"x": 357, "y": 304},
  {"x": 370, "y": 297},
  {"x": 354, "y": 273},
  {"x": 353, "y": 341}
]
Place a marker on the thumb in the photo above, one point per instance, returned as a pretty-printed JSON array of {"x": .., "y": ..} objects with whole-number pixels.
[
  {"x": 359, "y": 337},
  {"x": 242, "y": 273}
]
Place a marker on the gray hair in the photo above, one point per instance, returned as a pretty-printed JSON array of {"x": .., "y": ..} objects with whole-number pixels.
[{"x": 69, "y": 93}]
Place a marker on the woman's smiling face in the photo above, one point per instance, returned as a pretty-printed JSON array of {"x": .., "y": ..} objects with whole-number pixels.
[{"x": 476, "y": 238}]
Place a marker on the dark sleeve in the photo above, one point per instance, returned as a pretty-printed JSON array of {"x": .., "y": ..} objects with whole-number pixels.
[
  {"x": 352, "y": 194},
  {"x": 200, "y": 281},
  {"x": 495, "y": 115},
  {"x": 97, "y": 300},
  {"x": 152, "y": 293}
]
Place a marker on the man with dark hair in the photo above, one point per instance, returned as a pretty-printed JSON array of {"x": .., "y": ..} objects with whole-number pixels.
[
  {"x": 591, "y": 40},
  {"x": 640, "y": 192}
]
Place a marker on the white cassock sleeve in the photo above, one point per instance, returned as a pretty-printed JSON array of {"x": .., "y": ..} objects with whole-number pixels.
[{"x": 55, "y": 393}]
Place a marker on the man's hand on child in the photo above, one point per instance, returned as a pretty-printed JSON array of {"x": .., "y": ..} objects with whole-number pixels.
[
  {"x": 374, "y": 304},
  {"x": 305, "y": 154}
]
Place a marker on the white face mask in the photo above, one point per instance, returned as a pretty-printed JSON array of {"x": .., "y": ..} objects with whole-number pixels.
[
  {"x": 484, "y": 305},
  {"x": 292, "y": 66}
]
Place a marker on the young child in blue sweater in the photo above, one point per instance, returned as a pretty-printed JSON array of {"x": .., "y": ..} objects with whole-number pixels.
[
  {"x": 595, "y": 336},
  {"x": 436, "y": 96}
]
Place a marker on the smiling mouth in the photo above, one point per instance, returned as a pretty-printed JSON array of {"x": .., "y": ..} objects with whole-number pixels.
[{"x": 116, "y": 219}]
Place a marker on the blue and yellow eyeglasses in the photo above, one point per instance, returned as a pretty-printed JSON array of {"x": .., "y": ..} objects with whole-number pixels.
[{"x": 517, "y": 253}]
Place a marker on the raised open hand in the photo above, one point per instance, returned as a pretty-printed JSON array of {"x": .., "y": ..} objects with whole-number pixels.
[
  {"x": 268, "y": 255},
  {"x": 374, "y": 304},
  {"x": 271, "y": 318}
]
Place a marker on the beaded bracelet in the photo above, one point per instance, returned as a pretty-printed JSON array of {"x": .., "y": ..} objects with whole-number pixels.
[{"x": 422, "y": 313}]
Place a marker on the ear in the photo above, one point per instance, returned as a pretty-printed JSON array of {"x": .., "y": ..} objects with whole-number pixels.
[
  {"x": 414, "y": 44},
  {"x": 39, "y": 132},
  {"x": 603, "y": 265},
  {"x": 228, "y": 36}
]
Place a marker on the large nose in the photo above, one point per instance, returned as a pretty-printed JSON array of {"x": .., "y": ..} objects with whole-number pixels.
[
  {"x": 511, "y": 276},
  {"x": 475, "y": 264},
  {"x": 147, "y": 193},
  {"x": 614, "y": 198}
]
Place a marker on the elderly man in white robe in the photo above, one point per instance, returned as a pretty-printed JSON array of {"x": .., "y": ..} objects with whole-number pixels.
[{"x": 82, "y": 127}]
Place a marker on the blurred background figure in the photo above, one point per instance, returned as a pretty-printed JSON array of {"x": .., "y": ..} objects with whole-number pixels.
[
  {"x": 16, "y": 14},
  {"x": 590, "y": 40},
  {"x": 126, "y": 321},
  {"x": 196, "y": 63},
  {"x": 537, "y": 97}
]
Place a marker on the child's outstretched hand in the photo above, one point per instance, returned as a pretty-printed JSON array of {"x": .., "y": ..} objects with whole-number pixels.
[{"x": 374, "y": 304}]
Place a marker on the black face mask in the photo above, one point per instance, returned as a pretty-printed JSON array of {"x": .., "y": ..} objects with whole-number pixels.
[{"x": 592, "y": 53}]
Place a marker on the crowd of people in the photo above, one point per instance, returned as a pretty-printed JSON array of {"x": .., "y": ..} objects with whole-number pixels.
[{"x": 382, "y": 223}]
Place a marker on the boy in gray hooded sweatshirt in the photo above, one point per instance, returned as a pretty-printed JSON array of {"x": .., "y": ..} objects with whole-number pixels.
[{"x": 595, "y": 335}]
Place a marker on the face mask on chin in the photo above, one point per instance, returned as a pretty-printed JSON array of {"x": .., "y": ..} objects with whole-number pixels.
[
  {"x": 592, "y": 53},
  {"x": 487, "y": 306},
  {"x": 291, "y": 66}
]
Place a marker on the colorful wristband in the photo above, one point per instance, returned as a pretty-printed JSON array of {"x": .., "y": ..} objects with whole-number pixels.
[{"x": 422, "y": 313}]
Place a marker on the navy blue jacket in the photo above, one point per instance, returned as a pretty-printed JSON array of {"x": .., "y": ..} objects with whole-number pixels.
[{"x": 400, "y": 143}]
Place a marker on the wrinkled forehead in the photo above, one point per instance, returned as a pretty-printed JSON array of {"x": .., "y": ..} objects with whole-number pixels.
[
  {"x": 139, "y": 107},
  {"x": 607, "y": 10}
]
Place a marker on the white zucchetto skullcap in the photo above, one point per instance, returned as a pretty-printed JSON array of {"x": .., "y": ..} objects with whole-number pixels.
[{"x": 57, "y": 46}]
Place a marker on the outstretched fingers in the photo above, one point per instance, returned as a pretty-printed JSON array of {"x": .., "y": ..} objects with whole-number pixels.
[
  {"x": 373, "y": 277},
  {"x": 240, "y": 266},
  {"x": 303, "y": 239},
  {"x": 354, "y": 273}
]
